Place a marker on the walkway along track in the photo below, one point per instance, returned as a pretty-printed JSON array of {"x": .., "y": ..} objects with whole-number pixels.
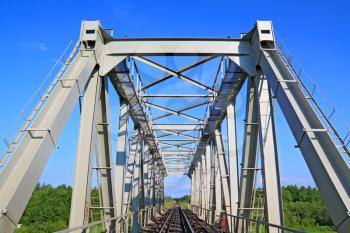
[{"x": 178, "y": 220}]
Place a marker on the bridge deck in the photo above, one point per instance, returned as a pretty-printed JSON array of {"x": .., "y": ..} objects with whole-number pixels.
[{"x": 178, "y": 219}]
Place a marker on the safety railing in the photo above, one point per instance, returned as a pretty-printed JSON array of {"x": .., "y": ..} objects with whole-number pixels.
[
  {"x": 123, "y": 220},
  {"x": 140, "y": 91},
  {"x": 333, "y": 121},
  {"x": 36, "y": 102},
  {"x": 248, "y": 225}
]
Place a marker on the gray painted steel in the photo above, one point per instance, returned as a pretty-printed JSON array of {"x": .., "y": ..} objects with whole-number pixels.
[{"x": 158, "y": 149}]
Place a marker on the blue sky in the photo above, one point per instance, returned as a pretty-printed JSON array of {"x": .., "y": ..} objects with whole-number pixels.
[{"x": 34, "y": 33}]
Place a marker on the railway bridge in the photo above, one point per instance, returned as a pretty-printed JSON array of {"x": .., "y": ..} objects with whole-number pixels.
[{"x": 179, "y": 140}]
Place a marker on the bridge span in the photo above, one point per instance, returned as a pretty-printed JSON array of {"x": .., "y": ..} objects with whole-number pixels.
[{"x": 156, "y": 140}]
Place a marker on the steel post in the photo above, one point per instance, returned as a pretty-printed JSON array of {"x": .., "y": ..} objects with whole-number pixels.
[
  {"x": 80, "y": 204},
  {"x": 104, "y": 156},
  {"x": 121, "y": 160},
  {"x": 269, "y": 156},
  {"x": 249, "y": 155},
  {"x": 233, "y": 157}
]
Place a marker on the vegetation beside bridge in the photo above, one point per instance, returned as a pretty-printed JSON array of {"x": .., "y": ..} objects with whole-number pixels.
[{"x": 48, "y": 209}]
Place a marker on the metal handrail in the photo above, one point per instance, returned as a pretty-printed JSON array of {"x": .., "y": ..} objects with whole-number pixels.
[
  {"x": 257, "y": 222},
  {"x": 43, "y": 98},
  {"x": 310, "y": 96}
]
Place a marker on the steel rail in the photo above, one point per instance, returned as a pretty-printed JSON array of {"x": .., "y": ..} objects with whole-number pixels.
[
  {"x": 186, "y": 220},
  {"x": 167, "y": 221}
]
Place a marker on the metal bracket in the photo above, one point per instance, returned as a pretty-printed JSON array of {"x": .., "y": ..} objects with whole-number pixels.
[
  {"x": 71, "y": 79},
  {"x": 308, "y": 130},
  {"x": 47, "y": 130},
  {"x": 283, "y": 81},
  {"x": 341, "y": 222}
]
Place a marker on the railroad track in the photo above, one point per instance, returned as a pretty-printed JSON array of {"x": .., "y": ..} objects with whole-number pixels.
[{"x": 178, "y": 220}]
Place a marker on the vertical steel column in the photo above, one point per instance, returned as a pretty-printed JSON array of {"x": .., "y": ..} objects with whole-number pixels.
[
  {"x": 218, "y": 189},
  {"x": 204, "y": 186},
  {"x": 23, "y": 170},
  {"x": 233, "y": 157},
  {"x": 145, "y": 216},
  {"x": 249, "y": 154},
  {"x": 198, "y": 194},
  {"x": 121, "y": 160},
  {"x": 208, "y": 168},
  {"x": 80, "y": 204},
  {"x": 200, "y": 187},
  {"x": 324, "y": 160},
  {"x": 104, "y": 156},
  {"x": 162, "y": 191},
  {"x": 136, "y": 180},
  {"x": 269, "y": 156},
  {"x": 195, "y": 193},
  {"x": 156, "y": 188},
  {"x": 142, "y": 184},
  {"x": 128, "y": 181},
  {"x": 192, "y": 190},
  {"x": 151, "y": 187},
  {"x": 212, "y": 194},
  {"x": 225, "y": 179}
]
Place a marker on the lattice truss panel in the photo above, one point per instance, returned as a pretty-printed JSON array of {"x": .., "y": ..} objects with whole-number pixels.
[{"x": 176, "y": 92}]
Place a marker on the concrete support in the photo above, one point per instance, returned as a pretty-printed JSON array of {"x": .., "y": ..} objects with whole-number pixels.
[
  {"x": 248, "y": 168},
  {"x": 80, "y": 204},
  {"x": 269, "y": 156}
]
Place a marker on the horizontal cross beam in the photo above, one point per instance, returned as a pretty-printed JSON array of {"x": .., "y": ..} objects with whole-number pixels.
[
  {"x": 177, "y": 47},
  {"x": 178, "y": 127},
  {"x": 166, "y": 77}
]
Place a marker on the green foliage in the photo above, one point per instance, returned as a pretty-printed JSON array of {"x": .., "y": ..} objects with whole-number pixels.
[
  {"x": 49, "y": 207},
  {"x": 303, "y": 207},
  {"x": 47, "y": 210}
]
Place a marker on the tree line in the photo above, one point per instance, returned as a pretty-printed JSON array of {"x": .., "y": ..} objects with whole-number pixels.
[{"x": 49, "y": 207}]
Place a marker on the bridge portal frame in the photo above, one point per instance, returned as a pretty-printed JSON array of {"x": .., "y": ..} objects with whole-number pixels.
[{"x": 254, "y": 56}]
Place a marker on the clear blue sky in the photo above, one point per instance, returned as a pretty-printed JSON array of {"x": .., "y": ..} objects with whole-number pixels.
[{"x": 34, "y": 33}]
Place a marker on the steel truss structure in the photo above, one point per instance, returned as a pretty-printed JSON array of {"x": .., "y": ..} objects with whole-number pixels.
[{"x": 155, "y": 150}]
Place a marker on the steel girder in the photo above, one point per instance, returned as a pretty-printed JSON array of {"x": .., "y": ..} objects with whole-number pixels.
[
  {"x": 80, "y": 204},
  {"x": 124, "y": 86},
  {"x": 121, "y": 160},
  {"x": 232, "y": 157},
  {"x": 104, "y": 156},
  {"x": 248, "y": 169},
  {"x": 326, "y": 164},
  {"x": 101, "y": 55},
  {"x": 230, "y": 86},
  {"x": 269, "y": 155},
  {"x": 21, "y": 174}
]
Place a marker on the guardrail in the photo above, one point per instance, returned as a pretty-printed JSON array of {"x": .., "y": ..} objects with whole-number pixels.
[{"x": 248, "y": 224}]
